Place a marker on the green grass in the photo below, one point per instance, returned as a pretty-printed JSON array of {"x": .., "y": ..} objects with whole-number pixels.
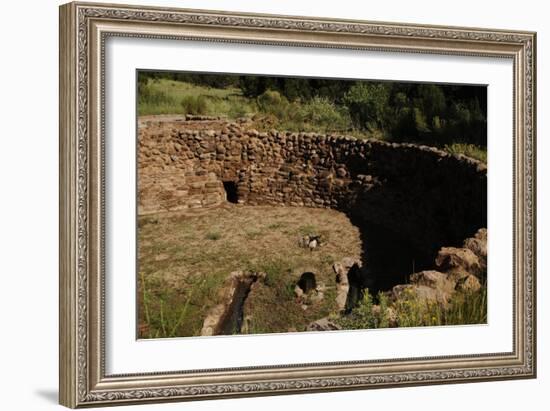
[
  {"x": 469, "y": 150},
  {"x": 410, "y": 311},
  {"x": 161, "y": 312},
  {"x": 270, "y": 110},
  {"x": 468, "y": 308},
  {"x": 164, "y": 96}
]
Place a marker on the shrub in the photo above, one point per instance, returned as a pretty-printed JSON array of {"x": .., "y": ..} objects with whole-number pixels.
[
  {"x": 271, "y": 102},
  {"x": 194, "y": 104},
  {"x": 324, "y": 114},
  {"x": 367, "y": 104},
  {"x": 237, "y": 110},
  {"x": 411, "y": 311},
  {"x": 152, "y": 96},
  {"x": 468, "y": 308},
  {"x": 275, "y": 270},
  {"x": 362, "y": 316}
]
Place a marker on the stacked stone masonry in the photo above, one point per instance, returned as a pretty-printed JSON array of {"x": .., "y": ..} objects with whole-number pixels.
[{"x": 424, "y": 193}]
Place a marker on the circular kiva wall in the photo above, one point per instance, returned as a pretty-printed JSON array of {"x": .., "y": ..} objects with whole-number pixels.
[{"x": 423, "y": 194}]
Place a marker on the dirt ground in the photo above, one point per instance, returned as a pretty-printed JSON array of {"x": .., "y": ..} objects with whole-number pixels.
[{"x": 184, "y": 258}]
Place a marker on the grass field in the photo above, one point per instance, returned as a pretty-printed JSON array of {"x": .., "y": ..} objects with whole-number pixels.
[
  {"x": 184, "y": 259},
  {"x": 164, "y": 96}
]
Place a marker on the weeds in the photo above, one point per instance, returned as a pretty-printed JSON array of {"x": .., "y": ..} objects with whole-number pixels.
[
  {"x": 362, "y": 316},
  {"x": 308, "y": 229},
  {"x": 194, "y": 104},
  {"x": 164, "y": 317},
  {"x": 275, "y": 270},
  {"x": 411, "y": 311},
  {"x": 366, "y": 110},
  {"x": 469, "y": 150},
  {"x": 468, "y": 308}
]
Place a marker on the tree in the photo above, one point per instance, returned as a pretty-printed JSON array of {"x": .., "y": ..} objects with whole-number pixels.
[{"x": 367, "y": 104}]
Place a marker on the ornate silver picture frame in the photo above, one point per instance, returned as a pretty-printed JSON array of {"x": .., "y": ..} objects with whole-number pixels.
[{"x": 84, "y": 30}]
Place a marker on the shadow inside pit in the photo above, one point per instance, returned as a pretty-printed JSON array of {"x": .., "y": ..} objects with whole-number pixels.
[
  {"x": 388, "y": 259},
  {"x": 233, "y": 320}
]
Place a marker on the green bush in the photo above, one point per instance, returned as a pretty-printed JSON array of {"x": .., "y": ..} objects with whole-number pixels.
[
  {"x": 324, "y": 114},
  {"x": 194, "y": 104},
  {"x": 367, "y": 104},
  {"x": 468, "y": 308},
  {"x": 432, "y": 114},
  {"x": 271, "y": 102},
  {"x": 364, "y": 316},
  {"x": 411, "y": 311}
]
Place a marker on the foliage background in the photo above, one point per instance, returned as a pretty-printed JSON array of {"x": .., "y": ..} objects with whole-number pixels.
[{"x": 434, "y": 114}]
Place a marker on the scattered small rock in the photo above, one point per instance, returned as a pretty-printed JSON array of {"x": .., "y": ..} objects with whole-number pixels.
[
  {"x": 311, "y": 241},
  {"x": 323, "y": 324}
]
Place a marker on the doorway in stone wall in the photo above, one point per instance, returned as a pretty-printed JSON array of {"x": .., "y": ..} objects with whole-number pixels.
[{"x": 230, "y": 188}]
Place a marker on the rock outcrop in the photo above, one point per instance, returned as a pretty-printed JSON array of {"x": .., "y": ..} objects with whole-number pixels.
[{"x": 457, "y": 269}]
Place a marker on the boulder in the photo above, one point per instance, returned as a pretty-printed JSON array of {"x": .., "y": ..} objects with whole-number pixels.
[
  {"x": 212, "y": 320},
  {"x": 341, "y": 268},
  {"x": 349, "y": 262},
  {"x": 469, "y": 284},
  {"x": 458, "y": 261},
  {"x": 341, "y": 273},
  {"x": 478, "y": 245},
  {"x": 434, "y": 279},
  {"x": 324, "y": 324}
]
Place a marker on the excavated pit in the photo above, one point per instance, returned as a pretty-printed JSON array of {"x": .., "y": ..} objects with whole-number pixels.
[
  {"x": 226, "y": 318},
  {"x": 407, "y": 201},
  {"x": 232, "y": 320}
]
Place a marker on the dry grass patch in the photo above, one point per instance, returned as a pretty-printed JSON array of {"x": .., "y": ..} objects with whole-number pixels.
[{"x": 184, "y": 258}]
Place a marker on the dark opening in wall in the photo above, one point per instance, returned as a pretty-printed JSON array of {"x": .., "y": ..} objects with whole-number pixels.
[
  {"x": 307, "y": 282},
  {"x": 230, "y": 188},
  {"x": 358, "y": 281}
]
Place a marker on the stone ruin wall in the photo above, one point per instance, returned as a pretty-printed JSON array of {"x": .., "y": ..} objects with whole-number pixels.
[{"x": 416, "y": 190}]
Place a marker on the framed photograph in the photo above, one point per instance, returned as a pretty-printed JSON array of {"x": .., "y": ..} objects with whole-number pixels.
[{"x": 259, "y": 204}]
